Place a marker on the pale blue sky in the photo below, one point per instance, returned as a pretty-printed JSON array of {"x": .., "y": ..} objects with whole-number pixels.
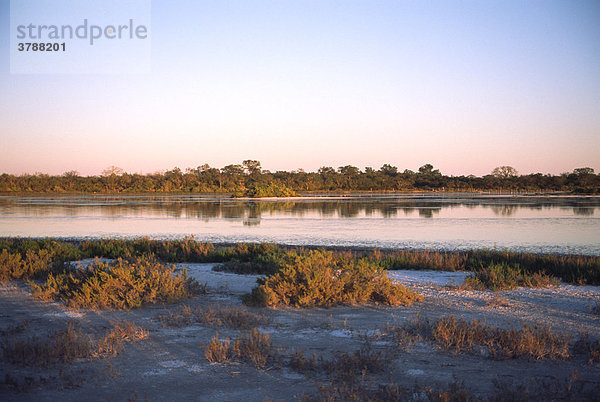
[{"x": 464, "y": 85}]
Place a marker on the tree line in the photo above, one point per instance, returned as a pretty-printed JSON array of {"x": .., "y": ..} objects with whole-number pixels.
[{"x": 249, "y": 179}]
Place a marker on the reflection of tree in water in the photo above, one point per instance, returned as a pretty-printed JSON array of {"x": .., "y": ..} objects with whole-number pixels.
[
  {"x": 349, "y": 210},
  {"x": 428, "y": 212},
  {"x": 583, "y": 211},
  {"x": 250, "y": 211},
  {"x": 504, "y": 210}
]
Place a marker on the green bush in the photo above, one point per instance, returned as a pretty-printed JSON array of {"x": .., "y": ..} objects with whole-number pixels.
[
  {"x": 272, "y": 189},
  {"x": 323, "y": 278}
]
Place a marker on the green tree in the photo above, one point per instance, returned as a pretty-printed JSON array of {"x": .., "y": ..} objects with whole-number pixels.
[{"x": 504, "y": 172}]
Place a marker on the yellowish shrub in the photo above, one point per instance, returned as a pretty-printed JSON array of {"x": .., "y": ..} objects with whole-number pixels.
[{"x": 322, "y": 278}]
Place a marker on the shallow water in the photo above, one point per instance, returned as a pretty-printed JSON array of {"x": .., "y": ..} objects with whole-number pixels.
[{"x": 449, "y": 221}]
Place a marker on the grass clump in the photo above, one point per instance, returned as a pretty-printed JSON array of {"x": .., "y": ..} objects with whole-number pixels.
[
  {"x": 65, "y": 346},
  {"x": 367, "y": 391},
  {"x": 253, "y": 347},
  {"x": 120, "y": 285},
  {"x": 460, "y": 336},
  {"x": 231, "y": 317},
  {"x": 504, "y": 276},
  {"x": 322, "y": 278}
]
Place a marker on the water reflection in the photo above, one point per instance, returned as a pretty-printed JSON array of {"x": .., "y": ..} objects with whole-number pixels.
[
  {"x": 449, "y": 221},
  {"x": 504, "y": 210},
  {"x": 250, "y": 212},
  {"x": 583, "y": 211}
]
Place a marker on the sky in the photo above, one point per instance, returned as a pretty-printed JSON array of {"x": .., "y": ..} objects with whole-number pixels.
[{"x": 463, "y": 85}]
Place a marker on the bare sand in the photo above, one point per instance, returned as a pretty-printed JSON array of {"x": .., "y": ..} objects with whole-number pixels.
[{"x": 170, "y": 363}]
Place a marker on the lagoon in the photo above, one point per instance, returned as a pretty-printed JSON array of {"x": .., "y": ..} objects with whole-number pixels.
[{"x": 448, "y": 221}]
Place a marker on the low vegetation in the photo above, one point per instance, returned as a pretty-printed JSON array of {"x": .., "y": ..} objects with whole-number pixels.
[
  {"x": 119, "y": 285},
  {"x": 33, "y": 265},
  {"x": 25, "y": 259},
  {"x": 230, "y": 317},
  {"x": 322, "y": 278},
  {"x": 272, "y": 189},
  {"x": 253, "y": 347},
  {"x": 373, "y": 392},
  {"x": 65, "y": 346},
  {"x": 506, "y": 277},
  {"x": 460, "y": 336}
]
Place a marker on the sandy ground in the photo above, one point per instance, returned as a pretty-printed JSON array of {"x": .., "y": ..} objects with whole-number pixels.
[{"x": 170, "y": 364}]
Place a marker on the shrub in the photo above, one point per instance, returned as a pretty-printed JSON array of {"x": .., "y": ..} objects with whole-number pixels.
[
  {"x": 218, "y": 351},
  {"x": 322, "y": 278},
  {"x": 272, "y": 189},
  {"x": 118, "y": 285},
  {"x": 505, "y": 277},
  {"x": 33, "y": 265},
  {"x": 186, "y": 249},
  {"x": 253, "y": 347}
]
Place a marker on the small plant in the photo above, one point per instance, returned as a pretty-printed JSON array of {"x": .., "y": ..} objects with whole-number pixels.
[
  {"x": 231, "y": 317},
  {"x": 218, "y": 351},
  {"x": 366, "y": 360},
  {"x": 66, "y": 345},
  {"x": 123, "y": 331},
  {"x": 302, "y": 364},
  {"x": 253, "y": 347},
  {"x": 588, "y": 348},
  {"x": 498, "y": 301}
]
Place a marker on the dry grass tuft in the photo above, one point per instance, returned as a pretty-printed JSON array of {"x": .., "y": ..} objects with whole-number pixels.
[
  {"x": 61, "y": 347},
  {"x": 253, "y": 347},
  {"x": 218, "y": 351},
  {"x": 460, "y": 336},
  {"x": 498, "y": 301},
  {"x": 65, "y": 346},
  {"x": 536, "y": 341},
  {"x": 366, "y": 360},
  {"x": 366, "y": 391},
  {"x": 231, "y": 317},
  {"x": 589, "y": 348},
  {"x": 123, "y": 331}
]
